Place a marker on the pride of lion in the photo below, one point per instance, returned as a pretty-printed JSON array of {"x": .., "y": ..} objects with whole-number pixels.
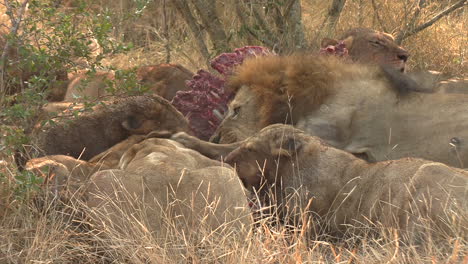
[{"x": 364, "y": 144}]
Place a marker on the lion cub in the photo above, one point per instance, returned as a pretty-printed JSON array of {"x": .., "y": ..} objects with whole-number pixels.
[{"x": 300, "y": 173}]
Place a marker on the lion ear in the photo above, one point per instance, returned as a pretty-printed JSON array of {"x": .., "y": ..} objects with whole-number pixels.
[
  {"x": 348, "y": 42},
  {"x": 328, "y": 42},
  {"x": 286, "y": 147}
]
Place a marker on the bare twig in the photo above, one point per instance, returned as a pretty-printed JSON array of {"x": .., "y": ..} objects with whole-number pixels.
[
  {"x": 184, "y": 10},
  {"x": 416, "y": 14},
  {"x": 166, "y": 34},
  {"x": 265, "y": 38},
  {"x": 262, "y": 39},
  {"x": 13, "y": 31},
  {"x": 377, "y": 16},
  {"x": 277, "y": 18},
  {"x": 331, "y": 18},
  {"x": 206, "y": 10},
  {"x": 287, "y": 24},
  {"x": 334, "y": 12},
  {"x": 409, "y": 32},
  {"x": 360, "y": 13},
  {"x": 293, "y": 18},
  {"x": 9, "y": 12},
  {"x": 262, "y": 22},
  {"x": 289, "y": 7}
]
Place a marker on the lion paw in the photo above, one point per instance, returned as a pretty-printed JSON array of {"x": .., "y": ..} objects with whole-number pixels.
[{"x": 185, "y": 139}]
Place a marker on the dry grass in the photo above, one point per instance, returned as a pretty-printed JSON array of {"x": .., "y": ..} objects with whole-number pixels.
[
  {"x": 49, "y": 231},
  {"x": 53, "y": 233},
  {"x": 441, "y": 47}
]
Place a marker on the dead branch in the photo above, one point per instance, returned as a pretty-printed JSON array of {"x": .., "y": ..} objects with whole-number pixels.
[
  {"x": 260, "y": 38},
  {"x": 377, "y": 16},
  {"x": 184, "y": 10},
  {"x": 405, "y": 33},
  {"x": 166, "y": 34},
  {"x": 416, "y": 14},
  {"x": 264, "y": 38},
  {"x": 334, "y": 13},
  {"x": 289, "y": 6},
  {"x": 13, "y": 32},
  {"x": 262, "y": 22},
  {"x": 9, "y": 12},
  {"x": 293, "y": 18},
  {"x": 331, "y": 19},
  {"x": 206, "y": 10},
  {"x": 278, "y": 19},
  {"x": 287, "y": 25}
]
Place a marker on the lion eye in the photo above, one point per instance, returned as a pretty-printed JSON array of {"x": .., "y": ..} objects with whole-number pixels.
[
  {"x": 235, "y": 111},
  {"x": 375, "y": 42}
]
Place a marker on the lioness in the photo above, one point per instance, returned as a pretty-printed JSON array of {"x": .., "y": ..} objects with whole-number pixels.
[
  {"x": 409, "y": 194},
  {"x": 108, "y": 124},
  {"x": 371, "y": 111},
  {"x": 67, "y": 174},
  {"x": 62, "y": 174},
  {"x": 167, "y": 187},
  {"x": 162, "y": 79},
  {"x": 91, "y": 86},
  {"x": 366, "y": 45}
]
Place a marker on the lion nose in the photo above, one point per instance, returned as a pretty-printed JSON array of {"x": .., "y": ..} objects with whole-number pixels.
[{"x": 403, "y": 57}]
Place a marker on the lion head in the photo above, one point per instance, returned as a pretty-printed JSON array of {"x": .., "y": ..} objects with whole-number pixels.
[
  {"x": 366, "y": 45},
  {"x": 277, "y": 89},
  {"x": 257, "y": 159}
]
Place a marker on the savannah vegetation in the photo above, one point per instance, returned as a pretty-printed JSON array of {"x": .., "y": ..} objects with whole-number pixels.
[{"x": 43, "y": 40}]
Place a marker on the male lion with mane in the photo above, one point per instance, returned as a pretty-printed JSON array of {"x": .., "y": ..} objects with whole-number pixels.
[
  {"x": 376, "y": 112},
  {"x": 409, "y": 194}
]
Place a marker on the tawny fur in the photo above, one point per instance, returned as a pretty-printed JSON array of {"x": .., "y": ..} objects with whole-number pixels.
[
  {"x": 285, "y": 86},
  {"x": 84, "y": 85},
  {"x": 369, "y": 46},
  {"x": 375, "y": 111},
  {"x": 110, "y": 158},
  {"x": 62, "y": 174},
  {"x": 279, "y": 81},
  {"x": 162, "y": 79},
  {"x": 409, "y": 194},
  {"x": 94, "y": 132},
  {"x": 68, "y": 174},
  {"x": 160, "y": 181}
]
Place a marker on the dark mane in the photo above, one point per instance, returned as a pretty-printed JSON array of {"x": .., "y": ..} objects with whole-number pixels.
[
  {"x": 289, "y": 85},
  {"x": 286, "y": 86}
]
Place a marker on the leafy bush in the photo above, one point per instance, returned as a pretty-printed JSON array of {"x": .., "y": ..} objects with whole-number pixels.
[{"x": 49, "y": 43}]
